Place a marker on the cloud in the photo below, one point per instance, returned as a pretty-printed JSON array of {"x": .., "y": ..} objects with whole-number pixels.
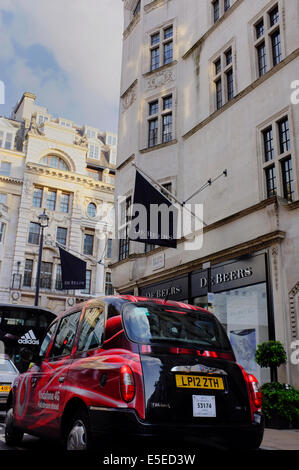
[{"x": 84, "y": 38}]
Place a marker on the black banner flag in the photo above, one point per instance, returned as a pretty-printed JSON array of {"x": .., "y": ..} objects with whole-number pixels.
[
  {"x": 73, "y": 271},
  {"x": 154, "y": 218}
]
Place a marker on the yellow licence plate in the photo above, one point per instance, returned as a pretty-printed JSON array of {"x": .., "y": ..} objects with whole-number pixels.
[
  {"x": 5, "y": 388},
  {"x": 196, "y": 381}
]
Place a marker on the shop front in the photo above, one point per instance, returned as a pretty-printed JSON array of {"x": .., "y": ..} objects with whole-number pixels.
[{"x": 238, "y": 293}]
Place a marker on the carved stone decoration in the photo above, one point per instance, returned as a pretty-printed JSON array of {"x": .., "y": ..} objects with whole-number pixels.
[
  {"x": 293, "y": 295},
  {"x": 275, "y": 265},
  {"x": 129, "y": 97},
  {"x": 28, "y": 187},
  {"x": 160, "y": 79},
  {"x": 81, "y": 140},
  {"x": 49, "y": 241},
  {"x": 34, "y": 128}
]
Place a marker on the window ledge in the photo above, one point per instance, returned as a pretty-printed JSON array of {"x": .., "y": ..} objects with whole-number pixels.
[
  {"x": 159, "y": 146},
  {"x": 159, "y": 69}
]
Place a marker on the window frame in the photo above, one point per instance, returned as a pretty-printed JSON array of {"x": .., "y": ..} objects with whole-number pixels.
[
  {"x": 53, "y": 358},
  {"x": 158, "y": 41},
  {"x": 221, "y": 70},
  {"x": 164, "y": 105}
]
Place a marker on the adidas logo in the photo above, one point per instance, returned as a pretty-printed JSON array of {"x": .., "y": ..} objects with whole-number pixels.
[{"x": 28, "y": 338}]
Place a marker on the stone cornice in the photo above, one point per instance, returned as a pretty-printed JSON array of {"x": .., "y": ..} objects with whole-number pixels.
[
  {"x": 251, "y": 246},
  {"x": 131, "y": 26},
  {"x": 153, "y": 5},
  {"x": 11, "y": 179},
  {"x": 69, "y": 176}
]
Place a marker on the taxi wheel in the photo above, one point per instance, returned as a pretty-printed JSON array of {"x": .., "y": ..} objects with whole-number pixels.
[
  {"x": 13, "y": 436},
  {"x": 78, "y": 432}
]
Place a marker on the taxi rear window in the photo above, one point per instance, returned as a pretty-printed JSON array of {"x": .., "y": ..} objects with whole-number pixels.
[{"x": 147, "y": 324}]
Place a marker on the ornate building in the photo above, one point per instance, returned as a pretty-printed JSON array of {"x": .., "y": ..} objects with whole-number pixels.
[
  {"x": 205, "y": 89},
  {"x": 50, "y": 163}
]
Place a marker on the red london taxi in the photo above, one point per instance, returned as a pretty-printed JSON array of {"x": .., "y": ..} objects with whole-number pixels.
[{"x": 124, "y": 365}]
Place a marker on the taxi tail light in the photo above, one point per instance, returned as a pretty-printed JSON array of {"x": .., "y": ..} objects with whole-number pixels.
[
  {"x": 254, "y": 389},
  {"x": 127, "y": 383}
]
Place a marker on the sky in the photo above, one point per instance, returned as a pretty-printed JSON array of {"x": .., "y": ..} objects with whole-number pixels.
[{"x": 66, "y": 52}]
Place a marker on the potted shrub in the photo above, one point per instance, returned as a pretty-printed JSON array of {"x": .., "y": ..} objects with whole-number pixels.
[{"x": 280, "y": 401}]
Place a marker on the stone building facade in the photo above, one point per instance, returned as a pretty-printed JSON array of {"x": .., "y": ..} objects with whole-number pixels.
[
  {"x": 51, "y": 163},
  {"x": 206, "y": 89}
]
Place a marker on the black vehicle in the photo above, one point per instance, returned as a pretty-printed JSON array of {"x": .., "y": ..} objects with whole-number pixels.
[{"x": 23, "y": 326}]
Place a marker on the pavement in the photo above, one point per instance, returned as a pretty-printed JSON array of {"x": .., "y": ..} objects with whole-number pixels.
[{"x": 280, "y": 439}]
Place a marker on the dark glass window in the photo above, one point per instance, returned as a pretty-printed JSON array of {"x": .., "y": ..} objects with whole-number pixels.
[
  {"x": 61, "y": 235},
  {"x": 92, "y": 210},
  {"x": 64, "y": 202},
  {"x": 274, "y": 16},
  {"x": 284, "y": 135},
  {"x": 276, "y": 48},
  {"x": 168, "y": 32},
  {"x": 65, "y": 335},
  {"x": 124, "y": 242},
  {"x": 153, "y": 107},
  {"x": 109, "y": 248},
  {"x": 58, "y": 280},
  {"x": 88, "y": 244},
  {"x": 229, "y": 56},
  {"x": 168, "y": 52},
  {"x": 167, "y": 128},
  {"x": 46, "y": 275},
  {"x": 271, "y": 181},
  {"x": 226, "y": 5},
  {"x": 287, "y": 179},
  {"x": 153, "y": 132},
  {"x": 218, "y": 94},
  {"x": 51, "y": 200},
  {"x": 230, "y": 84},
  {"x": 88, "y": 282},
  {"x": 28, "y": 273},
  {"x": 37, "y": 197},
  {"x": 155, "y": 58},
  {"x": 108, "y": 284},
  {"x": 262, "y": 59},
  {"x": 92, "y": 332},
  {"x": 167, "y": 102},
  {"x": 268, "y": 144},
  {"x": 155, "y": 39},
  {"x": 217, "y": 66},
  {"x": 216, "y": 10},
  {"x": 259, "y": 29},
  {"x": 149, "y": 247},
  {"x": 33, "y": 236}
]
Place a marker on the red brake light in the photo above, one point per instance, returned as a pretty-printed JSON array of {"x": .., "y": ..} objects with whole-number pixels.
[
  {"x": 255, "y": 390},
  {"x": 127, "y": 383}
]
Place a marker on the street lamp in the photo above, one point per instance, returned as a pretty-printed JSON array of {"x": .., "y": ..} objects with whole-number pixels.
[{"x": 43, "y": 221}]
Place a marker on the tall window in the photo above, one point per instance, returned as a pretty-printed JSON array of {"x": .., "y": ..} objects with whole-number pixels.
[
  {"x": 58, "y": 279},
  {"x": 108, "y": 284},
  {"x": 88, "y": 282},
  {"x": 223, "y": 78},
  {"x": 46, "y": 275},
  {"x": 2, "y": 231},
  {"x": 160, "y": 121},
  {"x": 216, "y": 10},
  {"x": 161, "y": 47},
  {"x": 88, "y": 241},
  {"x": 51, "y": 200},
  {"x": 109, "y": 248},
  {"x": 3, "y": 198},
  {"x": 267, "y": 40},
  {"x": 27, "y": 281},
  {"x": 124, "y": 242},
  {"x": 64, "y": 202},
  {"x": 219, "y": 7},
  {"x": 91, "y": 210},
  {"x": 61, "y": 235},
  {"x": 33, "y": 236},
  {"x": 37, "y": 197},
  {"x": 93, "y": 151},
  {"x": 278, "y": 165}
]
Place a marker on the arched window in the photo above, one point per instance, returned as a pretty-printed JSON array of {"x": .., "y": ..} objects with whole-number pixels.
[
  {"x": 92, "y": 210},
  {"x": 54, "y": 162}
]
